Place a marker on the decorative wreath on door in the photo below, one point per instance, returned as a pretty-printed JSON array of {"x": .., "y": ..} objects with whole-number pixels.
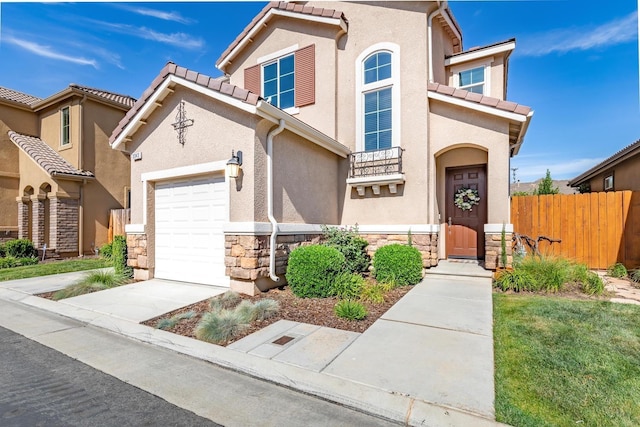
[{"x": 466, "y": 198}]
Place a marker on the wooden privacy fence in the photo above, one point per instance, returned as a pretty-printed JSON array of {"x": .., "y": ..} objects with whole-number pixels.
[
  {"x": 118, "y": 218},
  {"x": 598, "y": 229}
]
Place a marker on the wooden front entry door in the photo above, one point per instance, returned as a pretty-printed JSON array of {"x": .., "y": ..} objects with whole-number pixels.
[{"x": 465, "y": 228}]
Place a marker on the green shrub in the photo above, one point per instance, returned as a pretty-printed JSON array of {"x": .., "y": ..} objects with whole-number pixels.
[
  {"x": 350, "y": 244},
  {"x": 549, "y": 273},
  {"x": 516, "y": 280},
  {"x": 593, "y": 284},
  {"x": 9, "y": 262},
  {"x": 617, "y": 270},
  {"x": 170, "y": 322},
  {"x": 228, "y": 300},
  {"x": 220, "y": 327},
  {"x": 91, "y": 282},
  {"x": 313, "y": 269},
  {"x": 120, "y": 257},
  {"x": 348, "y": 285},
  {"x": 20, "y": 248},
  {"x": 374, "y": 292},
  {"x": 3, "y": 252},
  {"x": 265, "y": 309},
  {"x": 351, "y": 310},
  {"x": 635, "y": 276},
  {"x": 399, "y": 264},
  {"x": 28, "y": 261},
  {"x": 106, "y": 251},
  {"x": 260, "y": 310}
]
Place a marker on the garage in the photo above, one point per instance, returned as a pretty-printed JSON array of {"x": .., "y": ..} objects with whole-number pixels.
[{"x": 189, "y": 217}]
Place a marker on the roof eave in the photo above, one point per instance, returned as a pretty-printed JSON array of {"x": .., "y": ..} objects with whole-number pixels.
[
  {"x": 602, "y": 166},
  {"x": 502, "y": 48},
  {"x": 224, "y": 61},
  {"x": 70, "y": 91},
  {"x": 16, "y": 104},
  {"x": 72, "y": 177}
]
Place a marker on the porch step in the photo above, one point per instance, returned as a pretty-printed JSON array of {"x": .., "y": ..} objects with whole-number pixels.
[{"x": 463, "y": 268}]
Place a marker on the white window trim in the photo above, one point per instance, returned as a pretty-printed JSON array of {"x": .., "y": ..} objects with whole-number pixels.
[
  {"x": 393, "y": 82},
  {"x": 486, "y": 63},
  {"x": 278, "y": 54},
  {"x": 608, "y": 182},
  {"x": 68, "y": 144}
]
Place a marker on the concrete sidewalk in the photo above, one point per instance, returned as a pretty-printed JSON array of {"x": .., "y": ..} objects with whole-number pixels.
[{"x": 427, "y": 361}]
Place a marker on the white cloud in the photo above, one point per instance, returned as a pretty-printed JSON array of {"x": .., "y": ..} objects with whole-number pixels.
[
  {"x": 615, "y": 32},
  {"x": 176, "y": 39},
  {"x": 160, "y": 14},
  {"x": 533, "y": 167},
  {"x": 48, "y": 52}
]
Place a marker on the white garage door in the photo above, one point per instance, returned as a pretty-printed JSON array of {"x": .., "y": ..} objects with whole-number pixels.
[{"x": 189, "y": 215}]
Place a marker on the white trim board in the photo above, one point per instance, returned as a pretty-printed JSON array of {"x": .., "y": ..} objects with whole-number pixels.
[{"x": 259, "y": 228}]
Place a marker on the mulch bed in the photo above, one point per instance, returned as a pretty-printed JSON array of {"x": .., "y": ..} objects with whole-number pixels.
[{"x": 316, "y": 311}]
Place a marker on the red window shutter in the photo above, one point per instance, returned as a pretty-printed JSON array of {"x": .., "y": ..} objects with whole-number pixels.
[
  {"x": 252, "y": 79},
  {"x": 305, "y": 76}
]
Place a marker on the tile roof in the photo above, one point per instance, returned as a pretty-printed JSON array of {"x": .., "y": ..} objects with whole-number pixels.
[
  {"x": 286, "y": 6},
  {"x": 488, "y": 101},
  {"x": 19, "y": 97},
  {"x": 46, "y": 156},
  {"x": 626, "y": 152},
  {"x": 111, "y": 96},
  {"x": 217, "y": 84}
]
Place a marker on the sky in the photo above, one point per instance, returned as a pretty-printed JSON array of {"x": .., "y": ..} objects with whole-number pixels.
[{"x": 575, "y": 62}]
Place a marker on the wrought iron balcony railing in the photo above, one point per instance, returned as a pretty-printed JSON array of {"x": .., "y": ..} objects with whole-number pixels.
[{"x": 387, "y": 161}]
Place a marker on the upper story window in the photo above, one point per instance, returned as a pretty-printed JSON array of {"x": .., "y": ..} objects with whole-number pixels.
[
  {"x": 608, "y": 183},
  {"x": 472, "y": 80},
  {"x": 278, "y": 82},
  {"x": 377, "y": 67},
  {"x": 64, "y": 127},
  {"x": 378, "y": 100},
  {"x": 285, "y": 78}
]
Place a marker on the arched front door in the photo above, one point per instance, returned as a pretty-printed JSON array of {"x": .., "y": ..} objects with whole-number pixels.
[{"x": 465, "y": 228}]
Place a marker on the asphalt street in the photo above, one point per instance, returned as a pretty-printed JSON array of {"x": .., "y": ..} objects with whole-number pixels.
[{"x": 42, "y": 387}]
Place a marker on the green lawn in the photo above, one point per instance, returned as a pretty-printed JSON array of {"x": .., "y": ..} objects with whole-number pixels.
[
  {"x": 52, "y": 268},
  {"x": 562, "y": 362}
]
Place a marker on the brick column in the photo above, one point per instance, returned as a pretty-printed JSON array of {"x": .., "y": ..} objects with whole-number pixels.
[
  {"x": 63, "y": 228},
  {"x": 23, "y": 217},
  {"x": 37, "y": 224},
  {"x": 137, "y": 256}
]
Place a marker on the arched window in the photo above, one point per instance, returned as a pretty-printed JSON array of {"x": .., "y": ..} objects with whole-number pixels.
[{"x": 378, "y": 101}]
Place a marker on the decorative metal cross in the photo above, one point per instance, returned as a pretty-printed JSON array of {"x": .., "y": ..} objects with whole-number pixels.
[{"x": 182, "y": 123}]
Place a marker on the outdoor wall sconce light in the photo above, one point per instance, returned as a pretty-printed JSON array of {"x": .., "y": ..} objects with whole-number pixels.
[{"x": 234, "y": 163}]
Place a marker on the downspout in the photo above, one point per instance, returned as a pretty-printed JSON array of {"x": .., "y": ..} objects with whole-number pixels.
[
  {"x": 274, "y": 224},
  {"x": 440, "y": 9},
  {"x": 81, "y": 167}
]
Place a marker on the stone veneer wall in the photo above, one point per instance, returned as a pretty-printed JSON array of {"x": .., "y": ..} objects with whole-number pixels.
[
  {"x": 427, "y": 244},
  {"x": 493, "y": 250},
  {"x": 63, "y": 228},
  {"x": 247, "y": 256},
  {"x": 137, "y": 256}
]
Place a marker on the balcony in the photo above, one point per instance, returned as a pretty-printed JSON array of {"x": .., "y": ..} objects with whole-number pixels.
[{"x": 375, "y": 169}]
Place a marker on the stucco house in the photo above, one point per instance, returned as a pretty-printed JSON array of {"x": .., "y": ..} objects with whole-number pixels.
[
  {"x": 345, "y": 113},
  {"x": 58, "y": 175},
  {"x": 619, "y": 172}
]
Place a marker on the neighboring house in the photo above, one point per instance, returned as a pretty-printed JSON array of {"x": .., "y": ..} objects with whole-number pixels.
[
  {"x": 531, "y": 187},
  {"x": 345, "y": 113},
  {"x": 58, "y": 175},
  {"x": 619, "y": 172}
]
